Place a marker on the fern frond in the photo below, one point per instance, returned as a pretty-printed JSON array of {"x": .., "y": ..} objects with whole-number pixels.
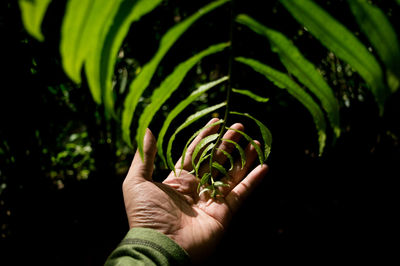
[
  {"x": 167, "y": 87},
  {"x": 220, "y": 168},
  {"x": 178, "y": 109},
  {"x": 141, "y": 82},
  {"x": 199, "y": 147},
  {"x": 249, "y": 139},
  {"x": 192, "y": 138},
  {"x": 283, "y": 81},
  {"x": 240, "y": 149},
  {"x": 342, "y": 42},
  {"x": 381, "y": 34},
  {"x": 299, "y": 66},
  {"x": 190, "y": 120},
  {"x": 204, "y": 180},
  {"x": 32, "y": 13},
  {"x": 230, "y": 158},
  {"x": 204, "y": 156},
  {"x": 81, "y": 27},
  {"x": 251, "y": 95},
  {"x": 265, "y": 133},
  {"x": 99, "y": 66}
]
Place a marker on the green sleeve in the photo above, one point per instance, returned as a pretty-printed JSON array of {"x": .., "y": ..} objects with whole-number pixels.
[{"x": 143, "y": 246}]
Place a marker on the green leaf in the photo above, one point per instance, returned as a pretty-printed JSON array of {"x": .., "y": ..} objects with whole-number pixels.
[
  {"x": 342, "y": 42},
  {"x": 167, "y": 87},
  {"x": 283, "y": 81},
  {"x": 204, "y": 180},
  {"x": 201, "y": 145},
  {"x": 103, "y": 56},
  {"x": 382, "y": 36},
  {"x": 299, "y": 66},
  {"x": 249, "y": 139},
  {"x": 142, "y": 81},
  {"x": 206, "y": 189},
  {"x": 265, "y": 133},
  {"x": 240, "y": 149},
  {"x": 220, "y": 184},
  {"x": 192, "y": 138},
  {"x": 203, "y": 157},
  {"x": 190, "y": 120},
  {"x": 32, "y": 13},
  {"x": 79, "y": 30},
  {"x": 228, "y": 156},
  {"x": 220, "y": 168},
  {"x": 178, "y": 109},
  {"x": 251, "y": 95},
  {"x": 215, "y": 192}
]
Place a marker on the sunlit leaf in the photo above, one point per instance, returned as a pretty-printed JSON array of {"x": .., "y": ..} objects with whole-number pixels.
[
  {"x": 192, "y": 138},
  {"x": 32, "y": 13},
  {"x": 249, "y": 139},
  {"x": 82, "y": 24},
  {"x": 167, "y": 87},
  {"x": 265, "y": 133},
  {"x": 190, "y": 120},
  {"x": 251, "y": 95},
  {"x": 103, "y": 56},
  {"x": 204, "y": 180},
  {"x": 283, "y": 81},
  {"x": 178, "y": 109},
  {"x": 228, "y": 156},
  {"x": 342, "y": 42},
  {"x": 220, "y": 168},
  {"x": 382, "y": 36},
  {"x": 142, "y": 81},
  {"x": 299, "y": 66},
  {"x": 204, "y": 156},
  {"x": 200, "y": 146},
  {"x": 206, "y": 189},
  {"x": 240, "y": 149},
  {"x": 220, "y": 184}
]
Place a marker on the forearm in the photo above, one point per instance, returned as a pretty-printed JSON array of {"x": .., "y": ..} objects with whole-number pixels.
[{"x": 147, "y": 247}]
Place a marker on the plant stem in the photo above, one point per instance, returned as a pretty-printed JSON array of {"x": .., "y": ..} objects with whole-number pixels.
[{"x": 229, "y": 86}]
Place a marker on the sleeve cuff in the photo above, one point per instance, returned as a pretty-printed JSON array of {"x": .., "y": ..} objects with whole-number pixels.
[{"x": 150, "y": 245}]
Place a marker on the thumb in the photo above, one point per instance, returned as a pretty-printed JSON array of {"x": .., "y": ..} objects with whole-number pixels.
[
  {"x": 236, "y": 197},
  {"x": 142, "y": 169}
]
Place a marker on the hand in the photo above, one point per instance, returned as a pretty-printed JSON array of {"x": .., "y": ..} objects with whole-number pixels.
[{"x": 174, "y": 207}]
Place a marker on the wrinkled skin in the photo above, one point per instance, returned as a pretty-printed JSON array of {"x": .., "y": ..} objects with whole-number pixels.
[{"x": 174, "y": 207}]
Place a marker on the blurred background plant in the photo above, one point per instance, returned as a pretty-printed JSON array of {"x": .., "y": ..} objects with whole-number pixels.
[{"x": 62, "y": 159}]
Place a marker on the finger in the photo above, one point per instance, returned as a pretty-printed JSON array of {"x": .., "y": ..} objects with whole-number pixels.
[
  {"x": 142, "y": 169},
  {"x": 219, "y": 157},
  {"x": 238, "y": 173},
  {"x": 187, "y": 164},
  {"x": 235, "y": 198}
]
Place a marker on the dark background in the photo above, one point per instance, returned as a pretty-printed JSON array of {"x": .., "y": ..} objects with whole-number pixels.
[{"x": 68, "y": 209}]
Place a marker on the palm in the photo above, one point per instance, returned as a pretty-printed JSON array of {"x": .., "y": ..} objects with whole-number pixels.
[
  {"x": 174, "y": 206},
  {"x": 175, "y": 209}
]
